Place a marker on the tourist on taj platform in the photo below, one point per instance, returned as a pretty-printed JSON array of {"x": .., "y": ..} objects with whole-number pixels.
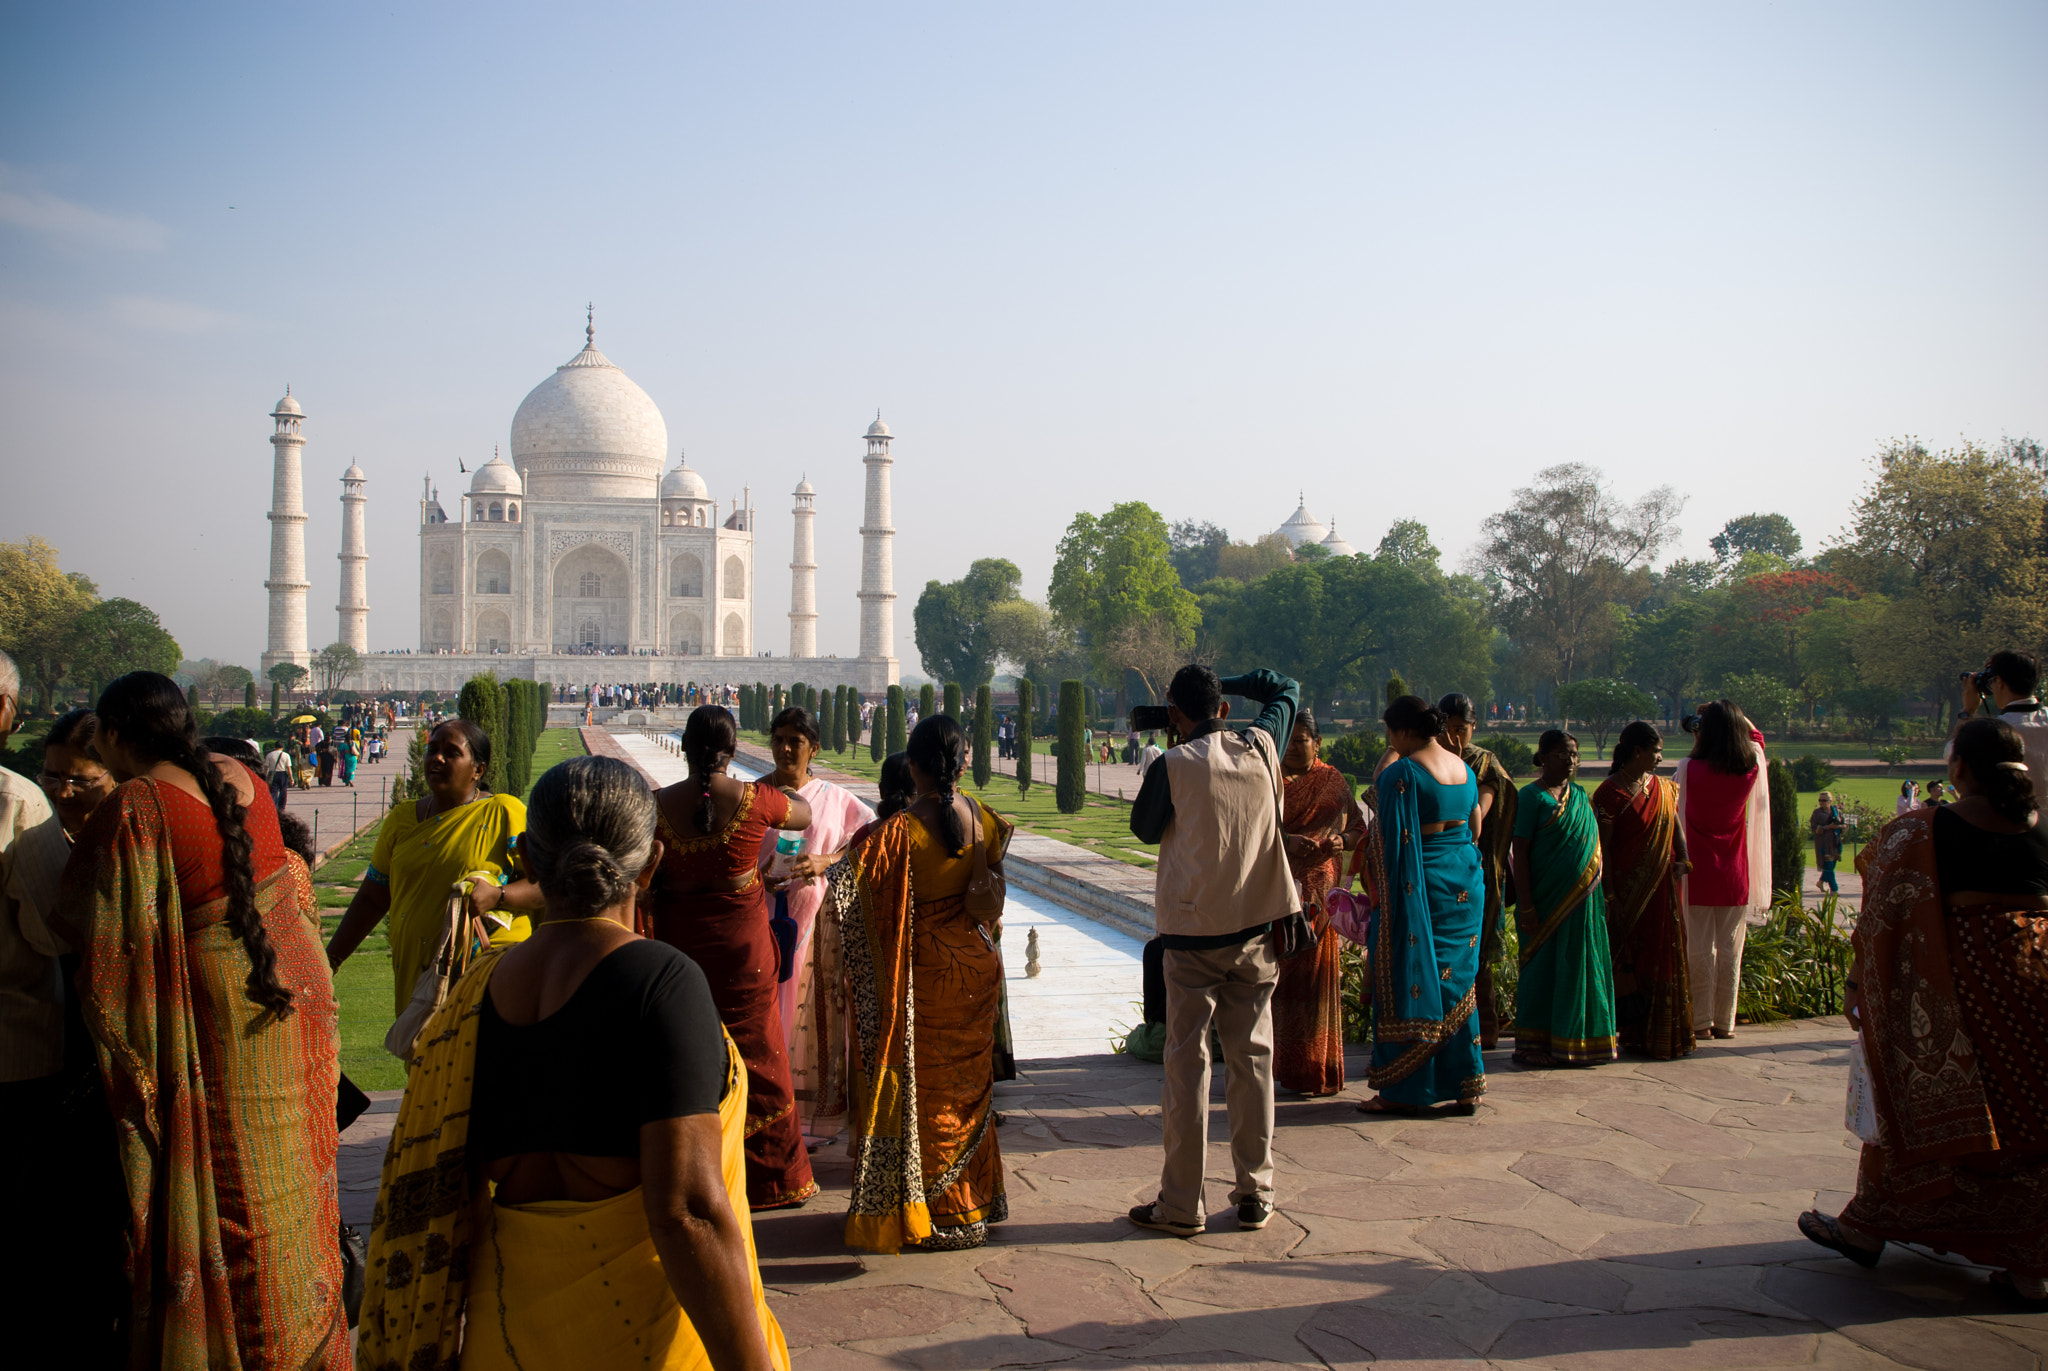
[
  {"x": 1948, "y": 995},
  {"x": 1643, "y": 866},
  {"x": 1429, "y": 898},
  {"x": 1564, "y": 1002},
  {"x": 1321, "y": 821},
  {"x": 214, "y": 1021},
  {"x": 708, "y": 899}
]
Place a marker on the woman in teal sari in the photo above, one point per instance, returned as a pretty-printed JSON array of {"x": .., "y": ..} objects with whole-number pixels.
[
  {"x": 1429, "y": 899},
  {"x": 1564, "y": 1006}
]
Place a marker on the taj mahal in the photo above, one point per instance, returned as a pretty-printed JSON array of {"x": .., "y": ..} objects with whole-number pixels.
[{"x": 581, "y": 560}]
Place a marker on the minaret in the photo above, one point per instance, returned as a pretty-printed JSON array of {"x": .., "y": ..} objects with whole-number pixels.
[
  {"x": 287, "y": 584},
  {"x": 803, "y": 577},
  {"x": 877, "y": 568},
  {"x": 355, "y": 563}
]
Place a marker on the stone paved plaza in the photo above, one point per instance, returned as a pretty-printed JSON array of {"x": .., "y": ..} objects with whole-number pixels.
[{"x": 1633, "y": 1217}]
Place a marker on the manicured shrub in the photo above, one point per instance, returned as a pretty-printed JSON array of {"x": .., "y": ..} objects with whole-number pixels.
[
  {"x": 899, "y": 736},
  {"x": 1073, "y": 755},
  {"x": 1514, "y": 754},
  {"x": 925, "y": 701},
  {"x": 1024, "y": 700},
  {"x": 953, "y": 698},
  {"x": 1813, "y": 773},
  {"x": 984, "y": 735},
  {"x": 1788, "y": 832}
]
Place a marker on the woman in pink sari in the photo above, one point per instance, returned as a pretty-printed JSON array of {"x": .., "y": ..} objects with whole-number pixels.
[
  {"x": 836, "y": 815},
  {"x": 1724, "y": 809}
]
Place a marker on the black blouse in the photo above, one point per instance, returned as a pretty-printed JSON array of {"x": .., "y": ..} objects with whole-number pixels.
[
  {"x": 1967, "y": 857},
  {"x": 639, "y": 1041}
]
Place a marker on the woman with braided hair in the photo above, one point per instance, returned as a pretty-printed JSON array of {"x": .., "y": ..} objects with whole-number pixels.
[
  {"x": 708, "y": 900},
  {"x": 916, "y": 928},
  {"x": 213, "y": 1016}
]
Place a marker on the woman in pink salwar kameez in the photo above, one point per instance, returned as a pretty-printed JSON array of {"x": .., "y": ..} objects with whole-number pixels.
[{"x": 836, "y": 815}]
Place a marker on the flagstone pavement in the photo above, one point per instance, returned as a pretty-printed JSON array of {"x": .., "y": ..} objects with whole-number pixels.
[{"x": 1638, "y": 1217}]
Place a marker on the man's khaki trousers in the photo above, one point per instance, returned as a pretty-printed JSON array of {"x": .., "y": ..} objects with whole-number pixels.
[{"x": 1233, "y": 987}]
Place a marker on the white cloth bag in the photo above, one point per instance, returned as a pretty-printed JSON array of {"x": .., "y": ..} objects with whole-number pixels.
[{"x": 1859, "y": 1111}]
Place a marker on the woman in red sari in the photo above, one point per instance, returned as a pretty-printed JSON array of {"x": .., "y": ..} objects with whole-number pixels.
[
  {"x": 1642, "y": 848},
  {"x": 206, "y": 992},
  {"x": 708, "y": 900},
  {"x": 1321, "y": 821},
  {"x": 1949, "y": 995}
]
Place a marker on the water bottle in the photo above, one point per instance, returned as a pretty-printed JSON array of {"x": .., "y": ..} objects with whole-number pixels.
[{"x": 787, "y": 846}]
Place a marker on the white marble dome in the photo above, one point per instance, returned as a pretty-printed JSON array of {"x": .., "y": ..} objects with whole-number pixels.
[
  {"x": 354, "y": 473},
  {"x": 1337, "y": 546},
  {"x": 289, "y": 406},
  {"x": 1303, "y": 527},
  {"x": 878, "y": 429},
  {"x": 589, "y": 432},
  {"x": 684, "y": 484},
  {"x": 495, "y": 477}
]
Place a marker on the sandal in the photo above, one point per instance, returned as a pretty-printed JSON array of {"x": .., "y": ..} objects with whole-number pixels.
[
  {"x": 1531, "y": 1059},
  {"x": 2007, "y": 1283},
  {"x": 1821, "y": 1229},
  {"x": 1380, "y": 1104}
]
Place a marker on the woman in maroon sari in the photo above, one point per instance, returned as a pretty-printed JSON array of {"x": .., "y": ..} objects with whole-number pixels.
[
  {"x": 1643, "y": 850},
  {"x": 1320, "y": 820},
  {"x": 1948, "y": 995},
  {"x": 708, "y": 900}
]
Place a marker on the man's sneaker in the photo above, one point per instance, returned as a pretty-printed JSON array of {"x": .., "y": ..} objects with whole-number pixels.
[
  {"x": 1147, "y": 1216},
  {"x": 1253, "y": 1213}
]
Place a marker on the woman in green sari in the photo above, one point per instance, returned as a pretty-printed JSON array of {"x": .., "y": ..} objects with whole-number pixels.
[{"x": 1564, "y": 1007}]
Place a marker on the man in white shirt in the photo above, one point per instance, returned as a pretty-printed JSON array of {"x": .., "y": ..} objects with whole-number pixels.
[
  {"x": 277, "y": 770},
  {"x": 1147, "y": 755},
  {"x": 2011, "y": 680}
]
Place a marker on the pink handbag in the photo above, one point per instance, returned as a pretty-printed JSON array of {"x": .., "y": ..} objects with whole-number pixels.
[{"x": 1350, "y": 915}]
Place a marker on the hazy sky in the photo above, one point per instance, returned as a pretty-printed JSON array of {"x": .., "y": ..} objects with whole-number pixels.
[{"x": 1397, "y": 257}]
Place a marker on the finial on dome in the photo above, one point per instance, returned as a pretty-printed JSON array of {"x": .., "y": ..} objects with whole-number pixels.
[
  {"x": 288, "y": 395},
  {"x": 590, "y": 324}
]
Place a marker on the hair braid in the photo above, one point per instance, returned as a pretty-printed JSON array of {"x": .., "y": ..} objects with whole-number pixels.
[
  {"x": 939, "y": 748},
  {"x": 238, "y": 852}
]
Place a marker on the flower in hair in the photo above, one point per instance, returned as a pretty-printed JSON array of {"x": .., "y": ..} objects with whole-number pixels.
[{"x": 2014, "y": 766}]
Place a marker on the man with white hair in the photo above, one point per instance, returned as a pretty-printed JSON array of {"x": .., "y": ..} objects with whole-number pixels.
[{"x": 31, "y": 1005}]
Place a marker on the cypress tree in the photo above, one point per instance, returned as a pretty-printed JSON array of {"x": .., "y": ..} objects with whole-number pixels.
[
  {"x": 852, "y": 717},
  {"x": 925, "y": 704},
  {"x": 798, "y": 694},
  {"x": 837, "y": 738},
  {"x": 1788, "y": 833},
  {"x": 1024, "y": 698},
  {"x": 1073, "y": 767},
  {"x": 479, "y": 703},
  {"x": 276, "y": 700},
  {"x": 503, "y": 761},
  {"x": 899, "y": 736},
  {"x": 248, "y": 694},
  {"x": 984, "y": 735},
  {"x": 953, "y": 698},
  {"x": 746, "y": 706},
  {"x": 877, "y": 728}
]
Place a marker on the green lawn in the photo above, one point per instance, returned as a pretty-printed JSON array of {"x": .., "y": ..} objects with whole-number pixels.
[
  {"x": 1104, "y": 826},
  {"x": 364, "y": 985}
]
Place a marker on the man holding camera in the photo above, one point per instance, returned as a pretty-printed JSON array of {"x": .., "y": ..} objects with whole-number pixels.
[
  {"x": 1212, "y": 803},
  {"x": 2009, "y": 680}
]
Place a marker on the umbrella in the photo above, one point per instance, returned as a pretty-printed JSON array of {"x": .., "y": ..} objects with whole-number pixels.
[{"x": 306, "y": 719}]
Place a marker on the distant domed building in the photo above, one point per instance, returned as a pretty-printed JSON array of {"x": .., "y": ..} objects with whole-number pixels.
[
  {"x": 1303, "y": 527},
  {"x": 1336, "y": 546}
]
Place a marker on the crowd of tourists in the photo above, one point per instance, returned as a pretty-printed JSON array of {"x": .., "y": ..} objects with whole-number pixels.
[{"x": 631, "y": 1017}]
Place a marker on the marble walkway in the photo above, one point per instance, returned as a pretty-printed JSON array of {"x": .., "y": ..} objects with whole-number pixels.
[{"x": 1635, "y": 1217}]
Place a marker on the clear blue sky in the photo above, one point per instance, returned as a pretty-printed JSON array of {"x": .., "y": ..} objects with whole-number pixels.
[{"x": 1397, "y": 257}]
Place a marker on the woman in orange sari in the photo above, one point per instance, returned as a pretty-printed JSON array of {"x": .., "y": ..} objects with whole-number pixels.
[
  {"x": 1321, "y": 821},
  {"x": 1642, "y": 846},
  {"x": 207, "y": 995},
  {"x": 911, "y": 916},
  {"x": 708, "y": 901}
]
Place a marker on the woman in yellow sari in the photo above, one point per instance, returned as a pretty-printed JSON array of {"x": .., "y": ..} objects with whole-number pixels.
[
  {"x": 455, "y": 832},
  {"x": 917, "y": 942},
  {"x": 565, "y": 1185}
]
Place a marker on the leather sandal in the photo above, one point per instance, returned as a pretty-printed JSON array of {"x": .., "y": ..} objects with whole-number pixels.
[{"x": 1821, "y": 1229}]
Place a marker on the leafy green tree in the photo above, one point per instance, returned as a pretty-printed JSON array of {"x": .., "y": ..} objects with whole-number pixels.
[
  {"x": 899, "y": 736},
  {"x": 334, "y": 664},
  {"x": 1872, "y": 706},
  {"x": 118, "y": 636},
  {"x": 1772, "y": 533},
  {"x": 952, "y": 699},
  {"x": 1024, "y": 702},
  {"x": 1033, "y": 639},
  {"x": 1788, "y": 832},
  {"x": 1196, "y": 550},
  {"x": 39, "y": 604},
  {"x": 1559, "y": 555},
  {"x": 1763, "y": 697},
  {"x": 1117, "y": 570},
  {"x": 479, "y": 703},
  {"x": 951, "y": 620},
  {"x": 1394, "y": 689},
  {"x": 1664, "y": 649},
  {"x": 1604, "y": 705},
  {"x": 984, "y": 736},
  {"x": 1071, "y": 792}
]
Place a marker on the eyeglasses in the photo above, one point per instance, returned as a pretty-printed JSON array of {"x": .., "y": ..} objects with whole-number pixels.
[{"x": 53, "y": 781}]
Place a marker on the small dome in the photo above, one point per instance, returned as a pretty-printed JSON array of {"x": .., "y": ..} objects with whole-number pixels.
[
  {"x": 1303, "y": 527},
  {"x": 288, "y": 406},
  {"x": 1337, "y": 546},
  {"x": 495, "y": 477},
  {"x": 684, "y": 484},
  {"x": 878, "y": 429},
  {"x": 354, "y": 473},
  {"x": 804, "y": 487}
]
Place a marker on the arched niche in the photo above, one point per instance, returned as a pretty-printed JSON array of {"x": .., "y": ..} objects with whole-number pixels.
[
  {"x": 441, "y": 573},
  {"x": 591, "y": 585},
  {"x": 733, "y": 584},
  {"x": 735, "y": 636},
  {"x": 493, "y": 631},
  {"x": 686, "y": 635},
  {"x": 686, "y": 577},
  {"x": 493, "y": 573}
]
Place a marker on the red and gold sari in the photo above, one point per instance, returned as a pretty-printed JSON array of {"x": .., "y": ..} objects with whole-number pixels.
[
  {"x": 1308, "y": 1009},
  {"x": 923, "y": 976},
  {"x": 1952, "y": 1003},
  {"x": 726, "y": 932},
  {"x": 1645, "y": 917},
  {"x": 224, "y": 1112}
]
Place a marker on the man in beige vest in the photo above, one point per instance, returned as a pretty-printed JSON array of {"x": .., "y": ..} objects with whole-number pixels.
[{"x": 1212, "y": 803}]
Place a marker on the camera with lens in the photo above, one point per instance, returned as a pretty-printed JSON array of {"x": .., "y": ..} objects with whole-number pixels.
[
  {"x": 1149, "y": 718},
  {"x": 1690, "y": 723},
  {"x": 1980, "y": 680}
]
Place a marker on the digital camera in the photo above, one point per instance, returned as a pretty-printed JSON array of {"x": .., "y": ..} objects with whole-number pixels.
[{"x": 1980, "y": 680}]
